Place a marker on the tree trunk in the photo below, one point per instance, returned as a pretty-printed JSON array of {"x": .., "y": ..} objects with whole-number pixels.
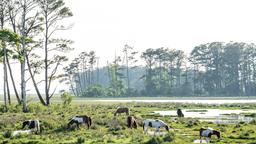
[
  {"x": 46, "y": 59},
  {"x": 13, "y": 82},
  {"x": 34, "y": 82},
  {"x": 7, "y": 88},
  {"x": 23, "y": 83},
  {"x": 4, "y": 68},
  {"x": 127, "y": 72}
]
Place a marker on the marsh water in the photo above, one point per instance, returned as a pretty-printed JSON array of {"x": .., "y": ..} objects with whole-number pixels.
[
  {"x": 218, "y": 116},
  {"x": 203, "y": 101}
]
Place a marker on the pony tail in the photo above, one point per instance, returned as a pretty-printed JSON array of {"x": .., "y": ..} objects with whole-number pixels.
[
  {"x": 135, "y": 124},
  {"x": 90, "y": 121}
]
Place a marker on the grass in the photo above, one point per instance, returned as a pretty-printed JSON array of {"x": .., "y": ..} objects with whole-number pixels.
[{"x": 104, "y": 130}]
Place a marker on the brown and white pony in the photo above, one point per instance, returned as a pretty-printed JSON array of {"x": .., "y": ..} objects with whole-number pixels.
[
  {"x": 120, "y": 110},
  {"x": 131, "y": 122},
  {"x": 79, "y": 120},
  {"x": 207, "y": 133},
  {"x": 179, "y": 113},
  {"x": 154, "y": 123}
]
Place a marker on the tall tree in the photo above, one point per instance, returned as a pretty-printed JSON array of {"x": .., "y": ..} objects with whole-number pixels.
[
  {"x": 53, "y": 12},
  {"x": 3, "y": 5},
  {"x": 130, "y": 60}
]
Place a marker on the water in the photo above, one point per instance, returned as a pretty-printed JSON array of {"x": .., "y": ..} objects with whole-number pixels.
[
  {"x": 226, "y": 101},
  {"x": 198, "y": 141},
  {"x": 214, "y": 115}
]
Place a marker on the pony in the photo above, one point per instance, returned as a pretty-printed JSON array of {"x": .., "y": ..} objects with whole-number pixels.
[
  {"x": 131, "y": 122},
  {"x": 207, "y": 133},
  {"x": 154, "y": 123},
  {"x": 19, "y": 132},
  {"x": 80, "y": 119},
  {"x": 179, "y": 113},
  {"x": 32, "y": 124},
  {"x": 120, "y": 110}
]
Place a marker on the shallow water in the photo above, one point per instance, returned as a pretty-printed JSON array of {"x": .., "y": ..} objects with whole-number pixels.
[
  {"x": 209, "y": 113},
  {"x": 151, "y": 133},
  {"x": 198, "y": 141},
  {"x": 214, "y": 115},
  {"x": 185, "y": 101}
]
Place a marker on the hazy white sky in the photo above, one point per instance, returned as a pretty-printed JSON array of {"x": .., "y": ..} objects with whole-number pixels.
[{"x": 107, "y": 25}]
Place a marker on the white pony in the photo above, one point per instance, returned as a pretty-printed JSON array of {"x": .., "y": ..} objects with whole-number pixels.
[
  {"x": 154, "y": 123},
  {"x": 19, "y": 132}
]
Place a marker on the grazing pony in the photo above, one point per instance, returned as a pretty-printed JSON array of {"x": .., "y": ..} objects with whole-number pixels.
[
  {"x": 179, "y": 113},
  {"x": 32, "y": 124},
  {"x": 154, "y": 123},
  {"x": 120, "y": 110},
  {"x": 19, "y": 132},
  {"x": 80, "y": 119},
  {"x": 207, "y": 133},
  {"x": 131, "y": 122}
]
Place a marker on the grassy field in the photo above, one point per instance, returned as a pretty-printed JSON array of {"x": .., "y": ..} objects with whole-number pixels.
[{"x": 104, "y": 130}]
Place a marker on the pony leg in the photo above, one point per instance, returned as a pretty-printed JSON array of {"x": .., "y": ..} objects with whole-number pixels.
[
  {"x": 156, "y": 131},
  {"x": 88, "y": 125},
  {"x": 200, "y": 139},
  {"x": 77, "y": 124},
  {"x": 207, "y": 140},
  {"x": 146, "y": 130}
]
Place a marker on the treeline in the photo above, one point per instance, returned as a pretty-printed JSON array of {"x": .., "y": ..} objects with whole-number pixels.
[{"x": 212, "y": 69}]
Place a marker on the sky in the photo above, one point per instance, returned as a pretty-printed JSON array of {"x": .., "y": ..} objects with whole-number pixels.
[{"x": 105, "y": 26}]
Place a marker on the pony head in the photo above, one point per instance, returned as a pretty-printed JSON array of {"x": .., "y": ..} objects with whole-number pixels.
[
  {"x": 24, "y": 124},
  {"x": 217, "y": 133},
  {"x": 167, "y": 127}
]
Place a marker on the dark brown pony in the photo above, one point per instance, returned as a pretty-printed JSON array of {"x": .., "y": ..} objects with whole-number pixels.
[
  {"x": 131, "y": 122},
  {"x": 79, "y": 120},
  {"x": 120, "y": 110},
  {"x": 203, "y": 132},
  {"x": 179, "y": 113}
]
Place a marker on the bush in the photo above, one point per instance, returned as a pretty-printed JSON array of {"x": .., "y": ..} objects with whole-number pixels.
[
  {"x": 169, "y": 137},
  {"x": 154, "y": 140},
  {"x": 66, "y": 98},
  {"x": 80, "y": 140}
]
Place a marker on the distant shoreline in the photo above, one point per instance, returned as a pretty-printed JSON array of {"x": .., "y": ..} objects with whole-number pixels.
[{"x": 200, "y": 100}]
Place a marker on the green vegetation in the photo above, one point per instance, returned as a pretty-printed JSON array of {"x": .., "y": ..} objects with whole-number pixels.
[{"x": 107, "y": 130}]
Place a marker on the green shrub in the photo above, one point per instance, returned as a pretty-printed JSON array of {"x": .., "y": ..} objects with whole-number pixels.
[
  {"x": 169, "y": 137},
  {"x": 80, "y": 140},
  {"x": 154, "y": 140},
  {"x": 66, "y": 98}
]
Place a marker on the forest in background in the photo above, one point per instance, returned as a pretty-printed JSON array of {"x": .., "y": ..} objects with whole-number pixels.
[
  {"x": 212, "y": 69},
  {"x": 29, "y": 37}
]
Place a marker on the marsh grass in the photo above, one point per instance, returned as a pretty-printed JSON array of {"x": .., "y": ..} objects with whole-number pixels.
[{"x": 107, "y": 129}]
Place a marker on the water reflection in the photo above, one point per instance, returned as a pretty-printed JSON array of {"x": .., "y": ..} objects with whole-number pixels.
[{"x": 217, "y": 116}]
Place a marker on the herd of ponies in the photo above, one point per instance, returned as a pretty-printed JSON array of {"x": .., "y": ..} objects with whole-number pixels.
[{"x": 34, "y": 125}]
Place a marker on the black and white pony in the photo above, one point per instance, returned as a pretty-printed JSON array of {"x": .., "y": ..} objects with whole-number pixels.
[
  {"x": 154, "y": 123},
  {"x": 79, "y": 120},
  {"x": 34, "y": 125},
  {"x": 207, "y": 133}
]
